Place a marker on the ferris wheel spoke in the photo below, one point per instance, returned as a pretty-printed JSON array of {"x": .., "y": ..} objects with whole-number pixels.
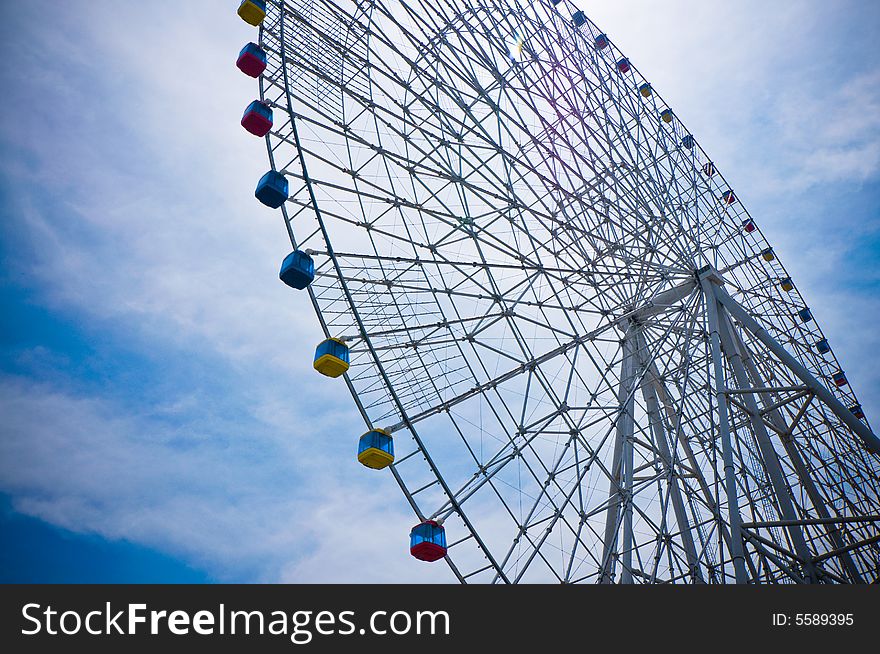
[
  {"x": 509, "y": 452},
  {"x": 492, "y": 383},
  {"x": 533, "y": 521}
]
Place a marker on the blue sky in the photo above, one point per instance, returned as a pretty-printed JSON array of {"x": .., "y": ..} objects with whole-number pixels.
[{"x": 160, "y": 420}]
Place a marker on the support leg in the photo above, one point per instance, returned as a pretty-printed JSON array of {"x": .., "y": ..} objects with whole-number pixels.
[
  {"x": 620, "y": 487},
  {"x": 768, "y": 452},
  {"x": 659, "y": 433},
  {"x": 736, "y": 541}
]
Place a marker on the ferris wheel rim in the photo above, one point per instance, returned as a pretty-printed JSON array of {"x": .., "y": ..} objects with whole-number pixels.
[{"x": 375, "y": 359}]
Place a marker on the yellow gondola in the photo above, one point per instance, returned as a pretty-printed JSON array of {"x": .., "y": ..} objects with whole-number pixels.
[
  {"x": 376, "y": 449},
  {"x": 768, "y": 254},
  {"x": 787, "y": 285},
  {"x": 253, "y": 12},
  {"x": 332, "y": 358}
]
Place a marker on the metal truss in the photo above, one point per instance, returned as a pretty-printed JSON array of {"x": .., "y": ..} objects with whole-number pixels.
[{"x": 580, "y": 343}]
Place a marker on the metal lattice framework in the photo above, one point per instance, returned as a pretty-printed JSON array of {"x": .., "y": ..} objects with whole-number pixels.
[{"x": 591, "y": 371}]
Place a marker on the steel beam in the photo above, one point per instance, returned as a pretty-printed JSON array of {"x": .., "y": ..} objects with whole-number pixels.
[
  {"x": 659, "y": 433},
  {"x": 771, "y": 410},
  {"x": 846, "y": 416},
  {"x": 768, "y": 452},
  {"x": 620, "y": 485},
  {"x": 736, "y": 537}
]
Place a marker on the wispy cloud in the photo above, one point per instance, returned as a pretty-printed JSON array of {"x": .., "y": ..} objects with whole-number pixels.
[{"x": 233, "y": 497}]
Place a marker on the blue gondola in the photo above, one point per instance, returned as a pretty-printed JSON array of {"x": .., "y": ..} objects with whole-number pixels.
[
  {"x": 427, "y": 541},
  {"x": 579, "y": 18},
  {"x": 297, "y": 270},
  {"x": 272, "y": 189},
  {"x": 805, "y": 315},
  {"x": 822, "y": 347},
  {"x": 252, "y": 60},
  {"x": 688, "y": 142},
  {"x": 709, "y": 169},
  {"x": 376, "y": 449},
  {"x": 332, "y": 357}
]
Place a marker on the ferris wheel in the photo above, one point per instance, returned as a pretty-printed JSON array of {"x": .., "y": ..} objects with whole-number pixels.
[{"x": 571, "y": 345}]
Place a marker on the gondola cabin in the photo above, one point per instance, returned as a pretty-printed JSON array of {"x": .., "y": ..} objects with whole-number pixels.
[
  {"x": 646, "y": 90},
  {"x": 427, "y": 541},
  {"x": 257, "y": 118},
  {"x": 839, "y": 379},
  {"x": 749, "y": 226},
  {"x": 805, "y": 315},
  {"x": 728, "y": 197},
  {"x": 688, "y": 142},
  {"x": 253, "y": 12},
  {"x": 709, "y": 169},
  {"x": 297, "y": 270},
  {"x": 252, "y": 60},
  {"x": 822, "y": 347},
  {"x": 787, "y": 285},
  {"x": 332, "y": 358},
  {"x": 579, "y": 18},
  {"x": 666, "y": 115},
  {"x": 856, "y": 410},
  {"x": 376, "y": 449},
  {"x": 601, "y": 42},
  {"x": 272, "y": 189},
  {"x": 768, "y": 254},
  {"x": 623, "y": 65}
]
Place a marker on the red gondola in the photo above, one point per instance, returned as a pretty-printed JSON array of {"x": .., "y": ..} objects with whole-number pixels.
[
  {"x": 427, "y": 541},
  {"x": 252, "y": 60},
  {"x": 257, "y": 118}
]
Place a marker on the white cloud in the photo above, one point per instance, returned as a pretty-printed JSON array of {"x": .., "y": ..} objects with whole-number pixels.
[{"x": 240, "y": 501}]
